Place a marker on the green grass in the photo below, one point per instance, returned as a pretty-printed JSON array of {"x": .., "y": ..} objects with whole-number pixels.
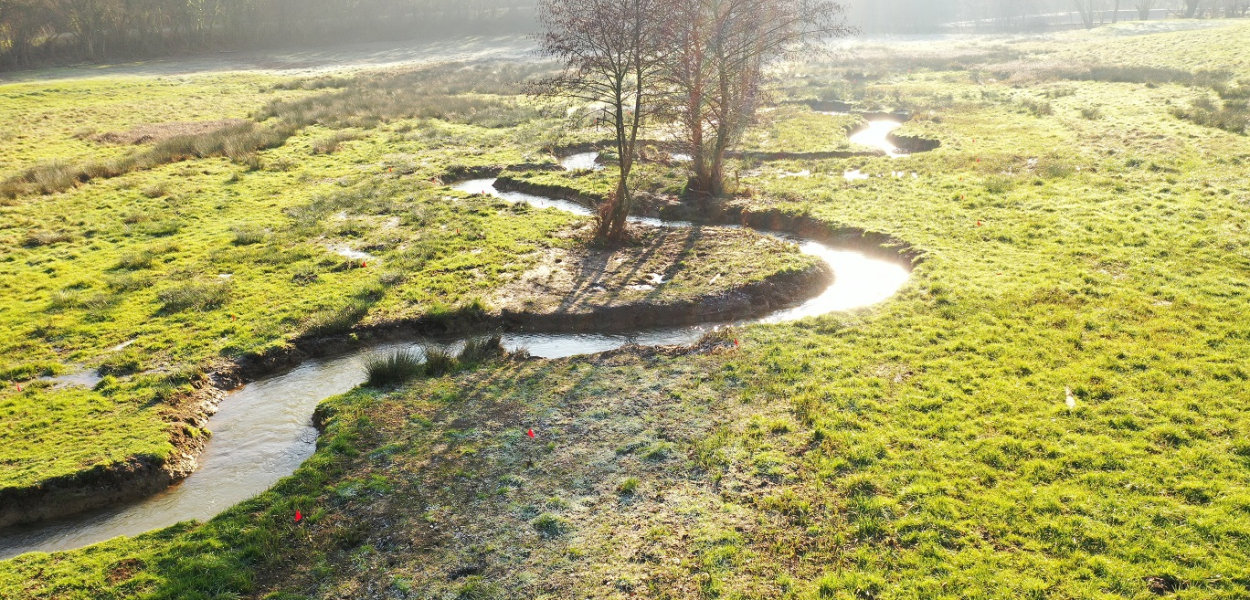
[
  {"x": 211, "y": 259},
  {"x": 919, "y": 449}
]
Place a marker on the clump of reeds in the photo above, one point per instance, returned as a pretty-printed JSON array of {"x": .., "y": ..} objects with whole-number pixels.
[
  {"x": 393, "y": 367},
  {"x": 481, "y": 349}
]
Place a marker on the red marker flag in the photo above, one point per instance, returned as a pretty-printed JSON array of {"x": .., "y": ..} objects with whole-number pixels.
[
  {"x": 298, "y": 516},
  {"x": 363, "y": 264},
  {"x": 530, "y": 433}
]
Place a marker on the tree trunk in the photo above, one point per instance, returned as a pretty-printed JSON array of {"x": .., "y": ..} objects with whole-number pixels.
[
  {"x": 1086, "y": 9},
  {"x": 612, "y": 224}
]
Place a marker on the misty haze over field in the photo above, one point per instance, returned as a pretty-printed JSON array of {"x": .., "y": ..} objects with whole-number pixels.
[{"x": 39, "y": 32}]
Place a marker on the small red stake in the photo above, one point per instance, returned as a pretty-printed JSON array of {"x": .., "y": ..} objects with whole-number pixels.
[
  {"x": 530, "y": 433},
  {"x": 363, "y": 264},
  {"x": 298, "y": 516}
]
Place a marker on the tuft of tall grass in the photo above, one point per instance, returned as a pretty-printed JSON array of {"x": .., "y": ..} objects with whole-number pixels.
[
  {"x": 239, "y": 142},
  {"x": 550, "y": 526},
  {"x": 123, "y": 363},
  {"x": 334, "y": 321},
  {"x": 330, "y": 144},
  {"x": 194, "y": 295},
  {"x": 393, "y": 367},
  {"x": 481, "y": 349},
  {"x": 999, "y": 184},
  {"x": 1038, "y": 108},
  {"x": 126, "y": 282},
  {"x": 132, "y": 261},
  {"x": 1232, "y": 115},
  {"x": 628, "y": 486},
  {"x": 46, "y": 238},
  {"x": 438, "y": 360},
  {"x": 247, "y": 234}
]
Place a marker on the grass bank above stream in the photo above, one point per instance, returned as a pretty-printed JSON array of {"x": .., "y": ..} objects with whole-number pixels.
[{"x": 1055, "y": 407}]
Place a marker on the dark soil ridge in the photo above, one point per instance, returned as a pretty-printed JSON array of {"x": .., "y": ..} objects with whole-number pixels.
[
  {"x": 731, "y": 212},
  {"x": 913, "y": 143},
  {"x": 807, "y": 155},
  {"x": 645, "y": 205},
  {"x": 747, "y": 155},
  {"x": 139, "y": 477}
]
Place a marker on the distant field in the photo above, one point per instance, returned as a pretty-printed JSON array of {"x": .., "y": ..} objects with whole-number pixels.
[{"x": 1054, "y": 407}]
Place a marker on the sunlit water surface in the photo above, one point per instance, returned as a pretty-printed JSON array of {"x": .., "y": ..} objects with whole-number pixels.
[{"x": 877, "y": 135}]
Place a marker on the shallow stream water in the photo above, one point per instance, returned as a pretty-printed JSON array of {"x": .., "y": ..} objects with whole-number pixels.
[
  {"x": 877, "y": 135},
  {"x": 263, "y": 431}
]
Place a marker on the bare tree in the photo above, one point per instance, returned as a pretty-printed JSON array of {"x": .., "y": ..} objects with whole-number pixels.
[
  {"x": 611, "y": 53},
  {"x": 1088, "y": 9},
  {"x": 1144, "y": 7},
  {"x": 720, "y": 49}
]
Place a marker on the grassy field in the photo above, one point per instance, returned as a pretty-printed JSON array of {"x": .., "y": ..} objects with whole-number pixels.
[
  {"x": 1055, "y": 407},
  {"x": 154, "y": 276}
]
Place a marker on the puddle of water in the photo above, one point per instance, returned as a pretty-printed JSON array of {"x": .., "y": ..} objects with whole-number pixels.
[
  {"x": 875, "y": 135},
  {"x": 859, "y": 281},
  {"x": 86, "y": 378},
  {"x": 582, "y": 161},
  {"x": 264, "y": 431},
  {"x": 854, "y": 175},
  {"x": 681, "y": 157},
  {"x": 487, "y": 186}
]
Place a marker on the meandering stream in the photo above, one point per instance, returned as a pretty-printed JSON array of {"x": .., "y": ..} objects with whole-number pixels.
[{"x": 263, "y": 431}]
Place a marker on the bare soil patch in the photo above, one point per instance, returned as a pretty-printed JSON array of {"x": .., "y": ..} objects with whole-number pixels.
[{"x": 663, "y": 268}]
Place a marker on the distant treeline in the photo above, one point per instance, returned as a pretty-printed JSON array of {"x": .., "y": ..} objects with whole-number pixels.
[
  {"x": 36, "y": 32},
  {"x": 919, "y": 16}
]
